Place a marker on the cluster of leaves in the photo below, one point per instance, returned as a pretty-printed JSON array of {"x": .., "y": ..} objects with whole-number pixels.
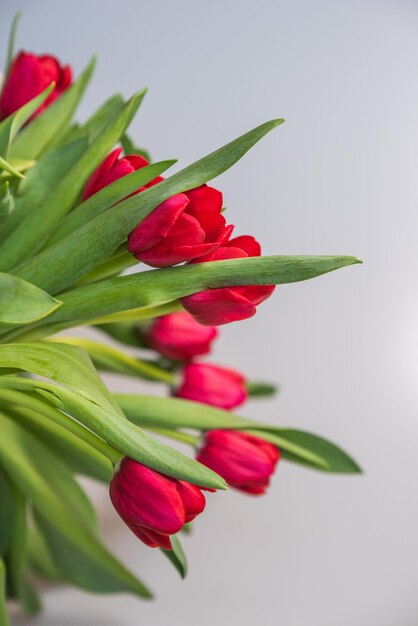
[{"x": 61, "y": 261}]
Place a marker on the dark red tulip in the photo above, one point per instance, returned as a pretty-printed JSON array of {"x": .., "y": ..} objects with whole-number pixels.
[
  {"x": 112, "y": 168},
  {"x": 211, "y": 384},
  {"x": 184, "y": 227},
  {"x": 29, "y": 75},
  {"x": 178, "y": 336},
  {"x": 214, "y": 307},
  {"x": 153, "y": 505},
  {"x": 245, "y": 461}
]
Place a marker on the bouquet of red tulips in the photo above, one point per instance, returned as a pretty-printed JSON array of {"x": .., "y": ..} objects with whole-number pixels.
[{"x": 79, "y": 205}]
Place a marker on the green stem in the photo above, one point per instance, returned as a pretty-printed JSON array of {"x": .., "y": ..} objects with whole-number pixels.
[
  {"x": 113, "y": 266},
  {"x": 127, "y": 363},
  {"x": 30, "y": 402},
  {"x": 176, "y": 435},
  {"x": 38, "y": 331},
  {"x": 4, "y": 618}
]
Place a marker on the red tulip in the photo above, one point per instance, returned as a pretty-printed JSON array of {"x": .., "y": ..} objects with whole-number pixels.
[
  {"x": 210, "y": 384},
  {"x": 184, "y": 227},
  {"x": 246, "y": 462},
  {"x": 112, "y": 168},
  {"x": 29, "y": 75},
  {"x": 214, "y": 307},
  {"x": 178, "y": 336},
  {"x": 152, "y": 505}
]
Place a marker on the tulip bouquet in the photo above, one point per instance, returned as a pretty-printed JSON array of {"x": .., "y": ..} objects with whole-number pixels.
[{"x": 79, "y": 205}]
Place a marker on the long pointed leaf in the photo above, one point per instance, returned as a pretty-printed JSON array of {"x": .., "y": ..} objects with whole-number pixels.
[{"x": 59, "y": 266}]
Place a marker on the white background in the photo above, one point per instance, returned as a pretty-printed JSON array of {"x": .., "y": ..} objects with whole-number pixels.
[{"x": 339, "y": 177}]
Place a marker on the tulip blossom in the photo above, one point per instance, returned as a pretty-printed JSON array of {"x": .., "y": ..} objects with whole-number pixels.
[
  {"x": 245, "y": 461},
  {"x": 211, "y": 384},
  {"x": 112, "y": 168},
  {"x": 184, "y": 227},
  {"x": 178, "y": 336},
  {"x": 28, "y": 76},
  {"x": 214, "y": 307},
  {"x": 152, "y": 505}
]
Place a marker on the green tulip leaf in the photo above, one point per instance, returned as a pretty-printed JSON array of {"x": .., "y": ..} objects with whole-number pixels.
[
  {"x": 119, "y": 433},
  {"x": 177, "y": 556},
  {"x": 12, "y": 124},
  {"x": 39, "y": 557},
  {"x": 76, "y": 453},
  {"x": 107, "y": 197},
  {"x": 11, "y": 44},
  {"x": 140, "y": 294},
  {"x": 23, "y": 303},
  {"x": 62, "y": 264},
  {"x": 295, "y": 445},
  {"x": 56, "y": 497},
  {"x": 65, "y": 364},
  {"x": 41, "y": 181}
]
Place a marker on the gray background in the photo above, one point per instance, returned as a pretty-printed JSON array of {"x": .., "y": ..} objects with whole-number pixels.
[{"x": 339, "y": 177}]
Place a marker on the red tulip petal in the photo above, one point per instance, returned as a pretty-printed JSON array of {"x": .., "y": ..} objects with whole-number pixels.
[
  {"x": 157, "y": 224},
  {"x": 151, "y": 538},
  {"x": 51, "y": 69},
  {"x": 137, "y": 161},
  {"x": 255, "y": 293},
  {"x": 24, "y": 81},
  {"x": 94, "y": 183},
  {"x": 247, "y": 243},
  {"x": 225, "y": 234},
  {"x": 214, "y": 307},
  {"x": 144, "y": 497},
  {"x": 210, "y": 384},
  {"x": 161, "y": 256},
  {"x": 193, "y": 499},
  {"x": 204, "y": 198}
]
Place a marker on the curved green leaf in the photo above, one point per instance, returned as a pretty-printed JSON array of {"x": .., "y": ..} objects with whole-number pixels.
[
  {"x": 23, "y": 303},
  {"x": 118, "y": 432},
  {"x": 296, "y": 445}
]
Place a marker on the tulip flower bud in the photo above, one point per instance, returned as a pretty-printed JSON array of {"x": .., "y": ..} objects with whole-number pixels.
[
  {"x": 112, "y": 168},
  {"x": 246, "y": 462},
  {"x": 152, "y": 505},
  {"x": 214, "y": 307},
  {"x": 210, "y": 384},
  {"x": 178, "y": 336},
  {"x": 28, "y": 76},
  {"x": 184, "y": 227}
]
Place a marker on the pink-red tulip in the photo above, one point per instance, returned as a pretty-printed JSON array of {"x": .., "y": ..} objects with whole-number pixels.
[
  {"x": 214, "y": 307},
  {"x": 184, "y": 227},
  {"x": 112, "y": 168},
  {"x": 211, "y": 384},
  {"x": 153, "y": 505},
  {"x": 246, "y": 462},
  {"x": 178, "y": 336},
  {"x": 29, "y": 75}
]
